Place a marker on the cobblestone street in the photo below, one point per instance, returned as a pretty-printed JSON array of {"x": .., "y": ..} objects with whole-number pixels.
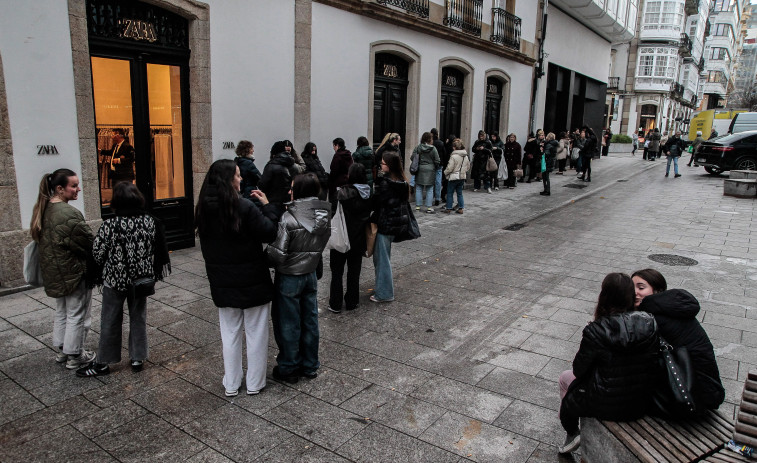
[{"x": 463, "y": 366}]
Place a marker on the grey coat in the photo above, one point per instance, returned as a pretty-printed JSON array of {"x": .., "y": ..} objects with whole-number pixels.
[
  {"x": 654, "y": 141},
  {"x": 303, "y": 232},
  {"x": 428, "y": 163}
]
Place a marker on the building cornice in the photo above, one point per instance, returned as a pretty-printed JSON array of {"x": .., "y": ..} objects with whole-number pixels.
[{"x": 401, "y": 19}]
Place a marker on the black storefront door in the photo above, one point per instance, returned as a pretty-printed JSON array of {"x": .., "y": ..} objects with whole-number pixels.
[
  {"x": 389, "y": 97},
  {"x": 141, "y": 90},
  {"x": 451, "y": 103}
]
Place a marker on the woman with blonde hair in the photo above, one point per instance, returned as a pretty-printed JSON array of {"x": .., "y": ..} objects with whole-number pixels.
[
  {"x": 456, "y": 173},
  {"x": 65, "y": 256}
]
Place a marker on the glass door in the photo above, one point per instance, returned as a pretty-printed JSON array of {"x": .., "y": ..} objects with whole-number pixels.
[{"x": 141, "y": 123}]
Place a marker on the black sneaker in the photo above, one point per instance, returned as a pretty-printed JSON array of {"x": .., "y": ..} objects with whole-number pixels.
[
  {"x": 137, "y": 365},
  {"x": 93, "y": 369},
  {"x": 312, "y": 375},
  {"x": 357, "y": 306},
  {"x": 291, "y": 379}
]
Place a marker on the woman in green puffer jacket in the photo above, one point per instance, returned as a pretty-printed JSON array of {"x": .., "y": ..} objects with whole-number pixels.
[
  {"x": 364, "y": 155},
  {"x": 65, "y": 248}
]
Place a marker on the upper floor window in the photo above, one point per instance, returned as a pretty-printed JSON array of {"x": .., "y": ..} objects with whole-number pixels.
[
  {"x": 715, "y": 76},
  {"x": 720, "y": 54},
  {"x": 723, "y": 30},
  {"x": 658, "y": 62},
  {"x": 663, "y": 14},
  {"x": 693, "y": 29},
  {"x": 723, "y": 5}
]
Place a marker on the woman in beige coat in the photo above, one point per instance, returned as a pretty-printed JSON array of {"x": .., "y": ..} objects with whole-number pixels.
[
  {"x": 562, "y": 152},
  {"x": 456, "y": 173}
]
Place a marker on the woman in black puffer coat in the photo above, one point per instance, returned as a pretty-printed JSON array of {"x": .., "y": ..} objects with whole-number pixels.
[
  {"x": 313, "y": 164},
  {"x": 675, "y": 311},
  {"x": 232, "y": 233},
  {"x": 277, "y": 176},
  {"x": 616, "y": 366}
]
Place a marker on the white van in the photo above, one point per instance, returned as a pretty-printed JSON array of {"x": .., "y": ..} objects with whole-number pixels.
[{"x": 742, "y": 122}]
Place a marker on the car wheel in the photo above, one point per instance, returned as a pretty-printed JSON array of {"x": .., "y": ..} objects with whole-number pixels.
[
  {"x": 746, "y": 163},
  {"x": 713, "y": 170}
]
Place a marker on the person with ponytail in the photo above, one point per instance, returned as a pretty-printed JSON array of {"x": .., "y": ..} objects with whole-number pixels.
[{"x": 65, "y": 256}]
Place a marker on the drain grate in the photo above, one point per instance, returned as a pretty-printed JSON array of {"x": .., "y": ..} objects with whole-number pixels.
[
  {"x": 514, "y": 227},
  {"x": 575, "y": 185},
  {"x": 672, "y": 259}
]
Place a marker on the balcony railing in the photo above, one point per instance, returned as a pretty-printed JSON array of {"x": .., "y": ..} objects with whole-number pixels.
[
  {"x": 465, "y": 15},
  {"x": 505, "y": 28},
  {"x": 685, "y": 45},
  {"x": 419, "y": 7},
  {"x": 613, "y": 83}
]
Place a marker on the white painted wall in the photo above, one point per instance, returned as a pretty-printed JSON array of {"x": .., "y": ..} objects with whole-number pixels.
[
  {"x": 573, "y": 46},
  {"x": 527, "y": 11},
  {"x": 35, "y": 43},
  {"x": 341, "y": 95},
  {"x": 252, "y": 73}
]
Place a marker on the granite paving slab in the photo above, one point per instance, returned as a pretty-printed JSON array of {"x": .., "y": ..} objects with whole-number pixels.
[
  {"x": 63, "y": 444},
  {"x": 380, "y": 443},
  {"x": 169, "y": 401},
  {"x": 463, "y": 398}
]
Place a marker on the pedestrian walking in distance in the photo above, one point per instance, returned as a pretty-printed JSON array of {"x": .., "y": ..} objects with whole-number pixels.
[
  {"x": 673, "y": 150},
  {"x": 550, "y": 153},
  {"x": 65, "y": 258}
]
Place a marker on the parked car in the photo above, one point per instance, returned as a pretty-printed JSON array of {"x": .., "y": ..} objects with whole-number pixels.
[
  {"x": 730, "y": 152},
  {"x": 743, "y": 122}
]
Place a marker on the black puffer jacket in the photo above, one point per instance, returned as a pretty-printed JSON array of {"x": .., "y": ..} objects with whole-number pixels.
[
  {"x": 277, "y": 178},
  {"x": 313, "y": 165},
  {"x": 236, "y": 265},
  {"x": 356, "y": 204},
  {"x": 675, "y": 311},
  {"x": 389, "y": 212},
  {"x": 616, "y": 367},
  {"x": 250, "y": 174},
  {"x": 550, "y": 153},
  {"x": 590, "y": 146}
]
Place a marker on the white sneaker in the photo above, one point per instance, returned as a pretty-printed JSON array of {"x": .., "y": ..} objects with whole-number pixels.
[
  {"x": 86, "y": 357},
  {"x": 572, "y": 442},
  {"x": 489, "y": 190}
]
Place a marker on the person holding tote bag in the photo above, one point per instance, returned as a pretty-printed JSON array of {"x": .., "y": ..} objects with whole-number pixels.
[
  {"x": 391, "y": 215},
  {"x": 65, "y": 258},
  {"x": 354, "y": 199}
]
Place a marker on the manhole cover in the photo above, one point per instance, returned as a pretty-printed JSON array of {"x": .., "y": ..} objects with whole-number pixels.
[
  {"x": 672, "y": 259},
  {"x": 575, "y": 185},
  {"x": 514, "y": 227}
]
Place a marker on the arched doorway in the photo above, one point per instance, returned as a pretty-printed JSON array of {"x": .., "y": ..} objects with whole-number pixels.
[
  {"x": 389, "y": 96},
  {"x": 451, "y": 102},
  {"x": 647, "y": 117},
  {"x": 139, "y": 58}
]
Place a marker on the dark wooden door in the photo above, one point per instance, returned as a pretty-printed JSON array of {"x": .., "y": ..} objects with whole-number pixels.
[
  {"x": 493, "y": 105},
  {"x": 389, "y": 97},
  {"x": 451, "y": 102}
]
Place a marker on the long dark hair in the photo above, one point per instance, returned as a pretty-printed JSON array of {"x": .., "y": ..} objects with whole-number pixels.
[
  {"x": 47, "y": 187},
  {"x": 653, "y": 277},
  {"x": 617, "y": 295},
  {"x": 127, "y": 199},
  {"x": 309, "y": 148},
  {"x": 392, "y": 160},
  {"x": 217, "y": 184}
]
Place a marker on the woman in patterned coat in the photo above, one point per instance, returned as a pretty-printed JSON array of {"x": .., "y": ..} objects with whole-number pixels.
[{"x": 130, "y": 248}]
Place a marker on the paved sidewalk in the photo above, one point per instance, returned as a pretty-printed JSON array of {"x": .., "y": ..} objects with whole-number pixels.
[{"x": 462, "y": 367}]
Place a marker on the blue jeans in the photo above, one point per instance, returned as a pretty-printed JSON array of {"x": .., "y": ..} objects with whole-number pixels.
[
  {"x": 420, "y": 192},
  {"x": 295, "y": 323},
  {"x": 675, "y": 165},
  {"x": 455, "y": 187},
  {"x": 438, "y": 185},
  {"x": 382, "y": 264}
]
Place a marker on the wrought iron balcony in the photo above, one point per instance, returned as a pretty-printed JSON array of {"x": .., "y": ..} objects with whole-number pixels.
[
  {"x": 676, "y": 90},
  {"x": 418, "y": 7},
  {"x": 505, "y": 28},
  {"x": 465, "y": 15},
  {"x": 613, "y": 83},
  {"x": 685, "y": 45}
]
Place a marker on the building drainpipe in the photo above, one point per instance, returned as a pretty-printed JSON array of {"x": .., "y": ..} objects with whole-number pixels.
[{"x": 539, "y": 70}]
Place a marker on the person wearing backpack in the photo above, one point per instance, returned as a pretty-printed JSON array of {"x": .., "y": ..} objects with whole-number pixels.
[{"x": 673, "y": 149}]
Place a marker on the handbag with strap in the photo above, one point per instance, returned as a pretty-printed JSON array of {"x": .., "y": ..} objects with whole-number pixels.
[
  {"x": 412, "y": 231},
  {"x": 502, "y": 170},
  {"x": 339, "y": 240},
  {"x": 415, "y": 162},
  {"x": 456, "y": 175},
  {"x": 673, "y": 398},
  {"x": 32, "y": 269},
  {"x": 143, "y": 286},
  {"x": 371, "y": 229},
  {"x": 491, "y": 164}
]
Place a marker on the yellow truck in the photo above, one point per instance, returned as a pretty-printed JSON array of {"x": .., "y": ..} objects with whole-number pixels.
[{"x": 704, "y": 121}]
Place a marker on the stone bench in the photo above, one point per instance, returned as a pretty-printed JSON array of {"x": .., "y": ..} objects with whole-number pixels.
[
  {"x": 652, "y": 439},
  {"x": 740, "y": 187},
  {"x": 742, "y": 174}
]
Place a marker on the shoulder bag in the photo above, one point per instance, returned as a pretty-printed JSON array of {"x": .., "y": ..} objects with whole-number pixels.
[
  {"x": 415, "y": 162},
  {"x": 672, "y": 399},
  {"x": 32, "y": 269},
  {"x": 456, "y": 175},
  {"x": 412, "y": 231},
  {"x": 491, "y": 164},
  {"x": 143, "y": 286},
  {"x": 371, "y": 229},
  {"x": 339, "y": 240},
  {"x": 502, "y": 170}
]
